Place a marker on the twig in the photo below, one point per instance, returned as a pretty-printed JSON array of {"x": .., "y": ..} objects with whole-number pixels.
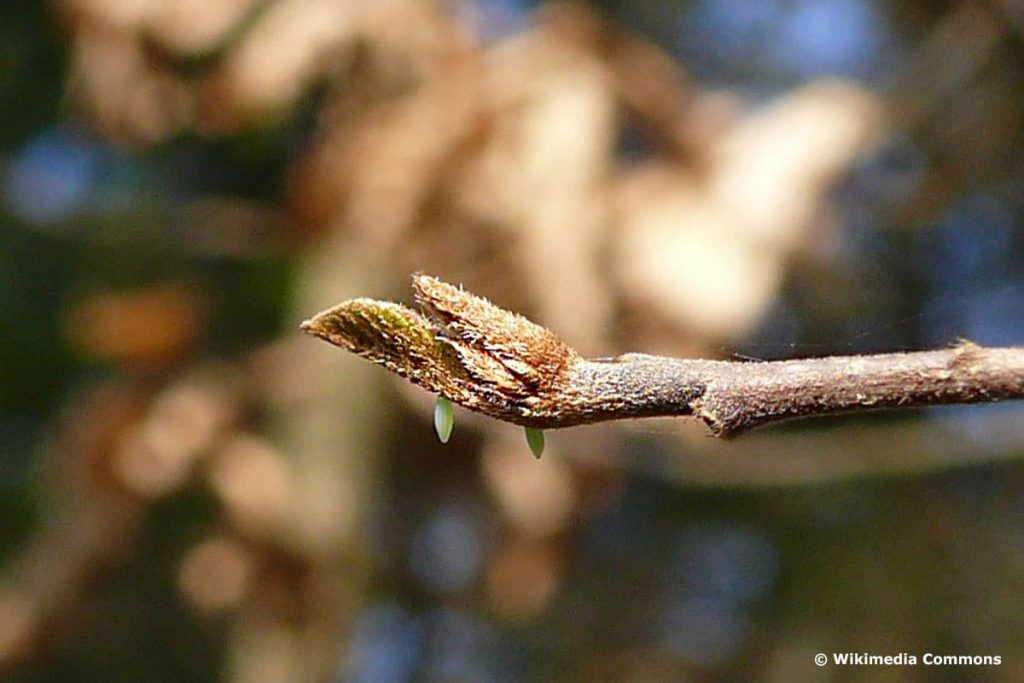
[{"x": 501, "y": 364}]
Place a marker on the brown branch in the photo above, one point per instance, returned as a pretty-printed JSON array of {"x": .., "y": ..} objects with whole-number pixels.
[{"x": 501, "y": 364}]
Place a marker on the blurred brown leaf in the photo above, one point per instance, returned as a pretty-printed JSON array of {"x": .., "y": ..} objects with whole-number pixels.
[{"x": 153, "y": 325}]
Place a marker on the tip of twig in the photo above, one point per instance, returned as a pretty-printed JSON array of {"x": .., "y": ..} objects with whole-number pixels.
[{"x": 462, "y": 347}]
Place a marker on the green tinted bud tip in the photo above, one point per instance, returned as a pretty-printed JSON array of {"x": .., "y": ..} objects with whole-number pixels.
[
  {"x": 444, "y": 419},
  {"x": 535, "y": 439}
]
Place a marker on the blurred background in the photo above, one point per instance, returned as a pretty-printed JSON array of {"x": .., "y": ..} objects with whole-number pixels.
[{"x": 190, "y": 490}]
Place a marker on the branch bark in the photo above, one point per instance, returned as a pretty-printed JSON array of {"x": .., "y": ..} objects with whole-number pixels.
[{"x": 496, "y": 362}]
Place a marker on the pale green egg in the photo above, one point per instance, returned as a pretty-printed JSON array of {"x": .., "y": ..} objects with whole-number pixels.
[
  {"x": 535, "y": 439},
  {"x": 444, "y": 419}
]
